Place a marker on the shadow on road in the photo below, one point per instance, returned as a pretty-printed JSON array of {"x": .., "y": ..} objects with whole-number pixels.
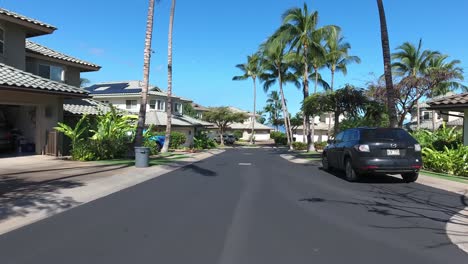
[{"x": 199, "y": 170}]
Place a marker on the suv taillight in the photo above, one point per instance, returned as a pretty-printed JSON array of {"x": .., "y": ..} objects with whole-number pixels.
[{"x": 362, "y": 148}]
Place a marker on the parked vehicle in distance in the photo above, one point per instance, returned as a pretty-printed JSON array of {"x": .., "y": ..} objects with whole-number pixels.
[
  {"x": 228, "y": 139},
  {"x": 367, "y": 151}
]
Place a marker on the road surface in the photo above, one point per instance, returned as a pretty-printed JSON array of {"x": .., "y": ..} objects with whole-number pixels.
[{"x": 248, "y": 206}]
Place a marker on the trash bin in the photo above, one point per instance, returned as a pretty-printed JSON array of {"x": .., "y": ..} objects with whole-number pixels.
[{"x": 142, "y": 157}]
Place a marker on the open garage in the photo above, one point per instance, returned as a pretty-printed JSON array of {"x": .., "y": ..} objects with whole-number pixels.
[{"x": 17, "y": 129}]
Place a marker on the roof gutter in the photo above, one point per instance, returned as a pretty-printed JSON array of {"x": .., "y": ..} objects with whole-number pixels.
[{"x": 43, "y": 91}]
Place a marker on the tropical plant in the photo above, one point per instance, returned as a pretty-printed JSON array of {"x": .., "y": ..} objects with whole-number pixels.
[
  {"x": 189, "y": 110},
  {"x": 261, "y": 117},
  {"x": 251, "y": 69},
  {"x": 273, "y": 108},
  {"x": 390, "y": 92},
  {"x": 296, "y": 122},
  {"x": 168, "y": 139},
  {"x": 279, "y": 138},
  {"x": 222, "y": 117},
  {"x": 202, "y": 141},
  {"x": 177, "y": 139},
  {"x": 300, "y": 28},
  {"x": 237, "y": 134},
  {"x": 451, "y": 161},
  {"x": 146, "y": 72},
  {"x": 77, "y": 133},
  {"x": 299, "y": 145},
  {"x": 276, "y": 69}
]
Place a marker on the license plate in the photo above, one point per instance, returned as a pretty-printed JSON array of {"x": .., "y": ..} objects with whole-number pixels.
[{"x": 393, "y": 152}]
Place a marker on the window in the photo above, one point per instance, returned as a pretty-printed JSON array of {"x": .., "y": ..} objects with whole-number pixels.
[
  {"x": 339, "y": 137},
  {"x": 177, "y": 108},
  {"x": 105, "y": 101},
  {"x": 427, "y": 115},
  {"x": 54, "y": 73},
  {"x": 131, "y": 104},
  {"x": 347, "y": 135},
  {"x": 2, "y": 41},
  {"x": 160, "y": 105},
  {"x": 152, "y": 104}
]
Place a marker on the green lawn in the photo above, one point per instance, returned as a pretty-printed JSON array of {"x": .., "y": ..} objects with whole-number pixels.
[{"x": 160, "y": 159}]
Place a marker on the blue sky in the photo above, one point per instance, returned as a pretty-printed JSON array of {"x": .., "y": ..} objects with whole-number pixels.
[{"x": 212, "y": 36}]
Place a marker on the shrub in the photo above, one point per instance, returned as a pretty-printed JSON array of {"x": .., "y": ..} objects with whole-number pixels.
[
  {"x": 320, "y": 145},
  {"x": 177, "y": 139},
  {"x": 299, "y": 145},
  {"x": 451, "y": 161},
  {"x": 237, "y": 134},
  {"x": 202, "y": 141},
  {"x": 279, "y": 138}
]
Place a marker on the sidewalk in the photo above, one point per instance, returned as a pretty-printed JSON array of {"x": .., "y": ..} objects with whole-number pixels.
[{"x": 27, "y": 197}]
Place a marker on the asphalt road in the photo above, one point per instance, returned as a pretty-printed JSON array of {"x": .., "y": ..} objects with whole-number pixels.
[{"x": 223, "y": 210}]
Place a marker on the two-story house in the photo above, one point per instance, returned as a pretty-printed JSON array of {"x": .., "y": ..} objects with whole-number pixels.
[
  {"x": 126, "y": 95},
  {"x": 262, "y": 132},
  {"x": 34, "y": 82},
  {"x": 323, "y": 126}
]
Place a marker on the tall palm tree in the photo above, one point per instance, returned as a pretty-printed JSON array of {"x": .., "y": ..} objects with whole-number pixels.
[
  {"x": 165, "y": 148},
  {"x": 276, "y": 69},
  {"x": 391, "y": 105},
  {"x": 439, "y": 63},
  {"x": 412, "y": 61},
  {"x": 299, "y": 27},
  {"x": 146, "y": 69},
  {"x": 251, "y": 69},
  {"x": 337, "y": 57},
  {"x": 273, "y": 108}
]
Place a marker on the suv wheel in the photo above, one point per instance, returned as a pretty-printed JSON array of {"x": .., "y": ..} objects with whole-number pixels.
[
  {"x": 325, "y": 164},
  {"x": 351, "y": 174},
  {"x": 410, "y": 176}
]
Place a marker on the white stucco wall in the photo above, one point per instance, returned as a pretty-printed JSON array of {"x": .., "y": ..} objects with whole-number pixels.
[
  {"x": 120, "y": 102},
  {"x": 465, "y": 128}
]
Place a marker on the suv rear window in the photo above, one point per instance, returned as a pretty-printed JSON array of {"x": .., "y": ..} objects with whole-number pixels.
[{"x": 385, "y": 134}]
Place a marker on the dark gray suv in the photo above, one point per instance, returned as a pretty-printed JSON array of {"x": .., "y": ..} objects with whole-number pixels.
[{"x": 367, "y": 151}]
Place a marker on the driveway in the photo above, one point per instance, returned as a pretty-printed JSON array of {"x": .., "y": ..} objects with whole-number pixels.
[{"x": 250, "y": 206}]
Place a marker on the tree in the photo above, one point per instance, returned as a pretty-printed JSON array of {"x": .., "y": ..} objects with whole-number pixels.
[
  {"x": 222, "y": 117},
  {"x": 146, "y": 72},
  {"x": 189, "y": 110},
  {"x": 390, "y": 92},
  {"x": 165, "y": 147},
  {"x": 261, "y": 117},
  {"x": 273, "y": 108},
  {"x": 349, "y": 100},
  {"x": 338, "y": 57},
  {"x": 276, "y": 69},
  {"x": 296, "y": 122},
  {"x": 251, "y": 69},
  {"x": 84, "y": 82},
  {"x": 300, "y": 29},
  {"x": 412, "y": 62}
]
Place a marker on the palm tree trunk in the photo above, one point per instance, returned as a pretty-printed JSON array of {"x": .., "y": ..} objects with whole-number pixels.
[
  {"x": 433, "y": 121},
  {"x": 285, "y": 111},
  {"x": 391, "y": 107},
  {"x": 418, "y": 117},
  {"x": 169, "y": 81},
  {"x": 146, "y": 73},
  {"x": 306, "y": 119},
  {"x": 254, "y": 111},
  {"x": 330, "y": 114},
  {"x": 312, "y": 130}
]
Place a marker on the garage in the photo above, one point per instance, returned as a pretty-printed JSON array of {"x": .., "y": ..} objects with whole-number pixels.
[{"x": 17, "y": 129}]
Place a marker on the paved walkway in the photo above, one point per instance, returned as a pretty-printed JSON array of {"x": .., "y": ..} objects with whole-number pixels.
[{"x": 36, "y": 187}]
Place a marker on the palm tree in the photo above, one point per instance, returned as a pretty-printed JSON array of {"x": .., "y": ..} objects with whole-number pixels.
[
  {"x": 300, "y": 29},
  {"x": 251, "y": 69},
  {"x": 273, "y": 108},
  {"x": 337, "y": 57},
  {"x": 165, "y": 148},
  {"x": 391, "y": 105},
  {"x": 146, "y": 69},
  {"x": 412, "y": 61},
  {"x": 438, "y": 63},
  {"x": 276, "y": 69}
]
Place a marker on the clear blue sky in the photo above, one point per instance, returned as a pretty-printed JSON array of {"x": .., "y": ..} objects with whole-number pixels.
[{"x": 212, "y": 36}]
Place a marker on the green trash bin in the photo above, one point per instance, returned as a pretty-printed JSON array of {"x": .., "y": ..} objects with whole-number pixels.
[{"x": 142, "y": 157}]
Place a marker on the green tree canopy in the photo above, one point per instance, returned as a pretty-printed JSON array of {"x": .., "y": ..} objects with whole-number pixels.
[{"x": 222, "y": 117}]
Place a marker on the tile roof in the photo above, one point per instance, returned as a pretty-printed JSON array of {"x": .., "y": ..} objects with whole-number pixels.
[
  {"x": 45, "y": 51},
  {"x": 85, "y": 107},
  {"x": 159, "y": 118},
  {"x": 199, "y": 107},
  {"x": 248, "y": 125},
  {"x": 27, "y": 19},
  {"x": 13, "y": 77},
  {"x": 458, "y": 100},
  {"x": 456, "y": 122}
]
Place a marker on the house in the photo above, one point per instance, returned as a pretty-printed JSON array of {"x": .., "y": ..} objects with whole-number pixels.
[
  {"x": 453, "y": 103},
  {"x": 34, "y": 82},
  {"x": 199, "y": 109},
  {"x": 262, "y": 132},
  {"x": 432, "y": 120},
  {"x": 323, "y": 126},
  {"x": 126, "y": 95}
]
